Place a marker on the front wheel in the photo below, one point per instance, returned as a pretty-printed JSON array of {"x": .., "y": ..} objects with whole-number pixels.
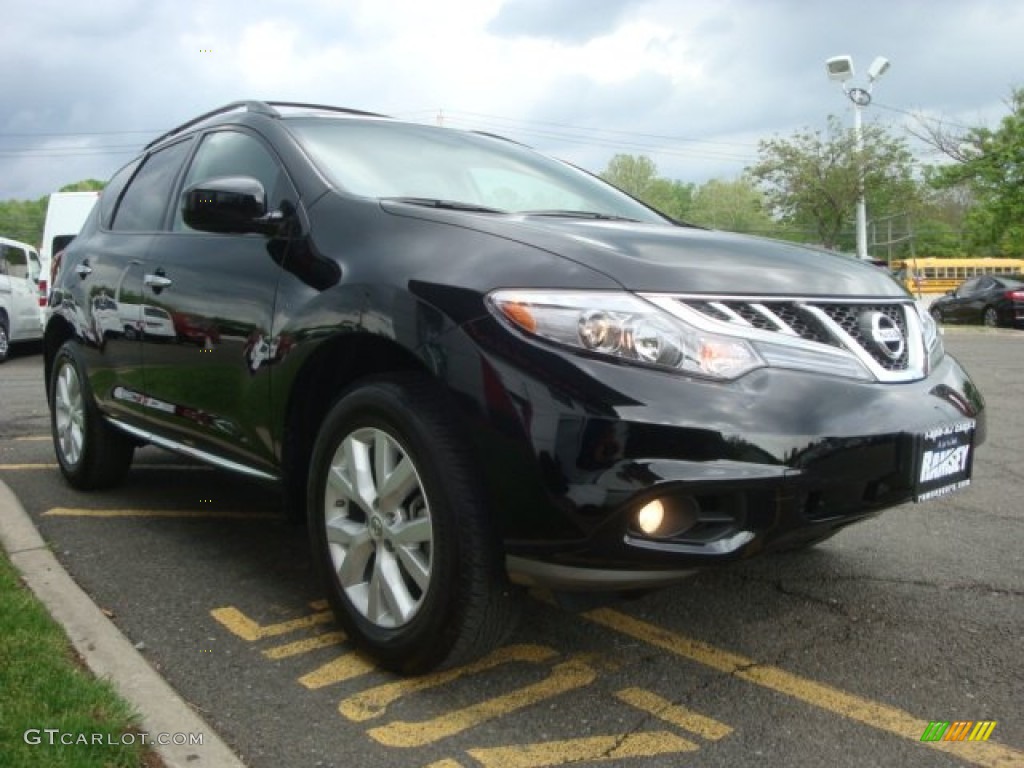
[
  {"x": 399, "y": 528},
  {"x": 90, "y": 452},
  {"x": 990, "y": 317}
]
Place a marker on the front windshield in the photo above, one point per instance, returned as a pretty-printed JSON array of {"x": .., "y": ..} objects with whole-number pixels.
[{"x": 384, "y": 159}]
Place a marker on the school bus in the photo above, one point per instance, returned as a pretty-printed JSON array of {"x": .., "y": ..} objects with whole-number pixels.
[{"x": 935, "y": 275}]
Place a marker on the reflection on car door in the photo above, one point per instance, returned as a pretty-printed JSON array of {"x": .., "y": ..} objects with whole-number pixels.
[
  {"x": 211, "y": 385},
  {"x": 109, "y": 265}
]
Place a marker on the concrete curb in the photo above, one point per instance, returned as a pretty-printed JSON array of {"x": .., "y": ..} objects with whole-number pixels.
[{"x": 106, "y": 651}]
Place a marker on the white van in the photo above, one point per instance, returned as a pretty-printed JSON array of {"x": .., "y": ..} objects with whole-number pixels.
[
  {"x": 66, "y": 212},
  {"x": 20, "y": 270}
]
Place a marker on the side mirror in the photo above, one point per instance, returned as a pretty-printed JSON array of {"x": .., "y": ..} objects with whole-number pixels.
[{"x": 228, "y": 204}]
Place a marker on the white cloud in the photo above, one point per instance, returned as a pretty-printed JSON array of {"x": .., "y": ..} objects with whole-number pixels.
[{"x": 582, "y": 78}]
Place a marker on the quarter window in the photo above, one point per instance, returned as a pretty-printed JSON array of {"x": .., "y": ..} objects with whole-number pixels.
[{"x": 111, "y": 193}]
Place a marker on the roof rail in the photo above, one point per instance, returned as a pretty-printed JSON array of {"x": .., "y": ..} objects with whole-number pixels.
[
  {"x": 490, "y": 135},
  {"x": 324, "y": 107},
  {"x": 250, "y": 106},
  {"x": 259, "y": 107}
]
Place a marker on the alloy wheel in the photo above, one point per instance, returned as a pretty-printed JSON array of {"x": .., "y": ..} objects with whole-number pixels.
[
  {"x": 69, "y": 412},
  {"x": 378, "y": 527}
]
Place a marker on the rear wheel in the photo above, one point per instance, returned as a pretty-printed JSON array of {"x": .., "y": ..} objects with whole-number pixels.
[
  {"x": 90, "y": 452},
  {"x": 400, "y": 531},
  {"x": 5, "y": 339},
  {"x": 990, "y": 317}
]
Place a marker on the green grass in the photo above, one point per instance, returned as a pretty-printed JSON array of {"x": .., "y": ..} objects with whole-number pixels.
[{"x": 42, "y": 685}]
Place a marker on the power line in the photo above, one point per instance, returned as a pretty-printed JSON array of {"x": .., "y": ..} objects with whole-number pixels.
[
  {"x": 35, "y": 134},
  {"x": 611, "y": 131}
]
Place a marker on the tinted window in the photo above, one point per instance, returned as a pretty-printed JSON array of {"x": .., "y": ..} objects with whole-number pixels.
[
  {"x": 232, "y": 153},
  {"x": 110, "y": 194},
  {"x": 144, "y": 203},
  {"x": 969, "y": 287}
]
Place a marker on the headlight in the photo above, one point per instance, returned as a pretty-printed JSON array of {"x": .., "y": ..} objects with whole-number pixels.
[
  {"x": 934, "y": 348},
  {"x": 624, "y": 327}
]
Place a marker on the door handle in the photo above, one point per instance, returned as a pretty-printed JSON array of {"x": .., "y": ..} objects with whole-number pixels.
[
  {"x": 157, "y": 281},
  {"x": 83, "y": 270}
]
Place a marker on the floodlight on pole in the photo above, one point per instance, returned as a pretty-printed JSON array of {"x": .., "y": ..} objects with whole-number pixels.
[{"x": 840, "y": 68}]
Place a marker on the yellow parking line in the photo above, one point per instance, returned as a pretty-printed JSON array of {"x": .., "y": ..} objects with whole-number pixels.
[
  {"x": 199, "y": 514},
  {"x": 31, "y": 439},
  {"x": 684, "y": 718},
  {"x": 564, "y": 677},
  {"x": 242, "y": 626},
  {"x": 23, "y": 467},
  {"x": 345, "y": 667},
  {"x": 591, "y": 749},
  {"x": 325, "y": 640},
  {"x": 871, "y": 713},
  {"x": 372, "y": 703}
]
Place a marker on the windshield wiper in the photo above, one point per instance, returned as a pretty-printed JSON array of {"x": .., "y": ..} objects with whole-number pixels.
[
  {"x": 450, "y": 205},
  {"x": 594, "y": 215}
]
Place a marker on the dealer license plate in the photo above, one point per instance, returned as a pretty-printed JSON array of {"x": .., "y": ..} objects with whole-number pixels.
[{"x": 944, "y": 458}]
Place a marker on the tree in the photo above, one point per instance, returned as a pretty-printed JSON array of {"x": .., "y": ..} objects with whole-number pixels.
[
  {"x": 23, "y": 219},
  {"x": 85, "y": 185},
  {"x": 671, "y": 197},
  {"x": 812, "y": 180},
  {"x": 735, "y": 206},
  {"x": 633, "y": 174},
  {"x": 637, "y": 175},
  {"x": 990, "y": 163}
]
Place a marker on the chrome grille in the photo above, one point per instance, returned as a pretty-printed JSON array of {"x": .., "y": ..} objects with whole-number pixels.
[
  {"x": 865, "y": 329},
  {"x": 848, "y": 318}
]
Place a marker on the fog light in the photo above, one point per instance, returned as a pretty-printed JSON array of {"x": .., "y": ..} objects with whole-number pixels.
[{"x": 650, "y": 517}]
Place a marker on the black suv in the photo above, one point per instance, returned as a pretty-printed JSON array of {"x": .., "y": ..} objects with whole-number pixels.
[{"x": 473, "y": 367}]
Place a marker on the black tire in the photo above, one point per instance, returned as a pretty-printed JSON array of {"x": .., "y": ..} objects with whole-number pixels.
[
  {"x": 5, "y": 339},
  {"x": 91, "y": 453},
  {"x": 990, "y": 318},
  {"x": 416, "y": 573}
]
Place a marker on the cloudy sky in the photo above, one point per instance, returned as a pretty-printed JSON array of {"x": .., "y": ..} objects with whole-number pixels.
[{"x": 693, "y": 84}]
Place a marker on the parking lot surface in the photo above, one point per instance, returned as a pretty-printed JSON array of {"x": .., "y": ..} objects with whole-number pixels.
[{"x": 842, "y": 655}]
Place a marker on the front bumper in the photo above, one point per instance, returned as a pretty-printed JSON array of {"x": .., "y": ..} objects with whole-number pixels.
[{"x": 573, "y": 447}]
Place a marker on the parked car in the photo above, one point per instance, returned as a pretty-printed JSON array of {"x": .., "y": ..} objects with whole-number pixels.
[
  {"x": 19, "y": 295},
  {"x": 143, "y": 321},
  {"x": 472, "y": 367},
  {"x": 992, "y": 300},
  {"x": 195, "y": 330}
]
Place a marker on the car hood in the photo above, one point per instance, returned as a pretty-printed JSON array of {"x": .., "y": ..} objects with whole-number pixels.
[{"x": 678, "y": 259}]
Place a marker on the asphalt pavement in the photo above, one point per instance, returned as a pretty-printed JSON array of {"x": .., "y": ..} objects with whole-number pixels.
[{"x": 841, "y": 655}]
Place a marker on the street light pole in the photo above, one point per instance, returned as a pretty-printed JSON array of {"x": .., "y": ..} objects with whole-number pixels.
[
  {"x": 862, "y": 206},
  {"x": 841, "y": 68}
]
